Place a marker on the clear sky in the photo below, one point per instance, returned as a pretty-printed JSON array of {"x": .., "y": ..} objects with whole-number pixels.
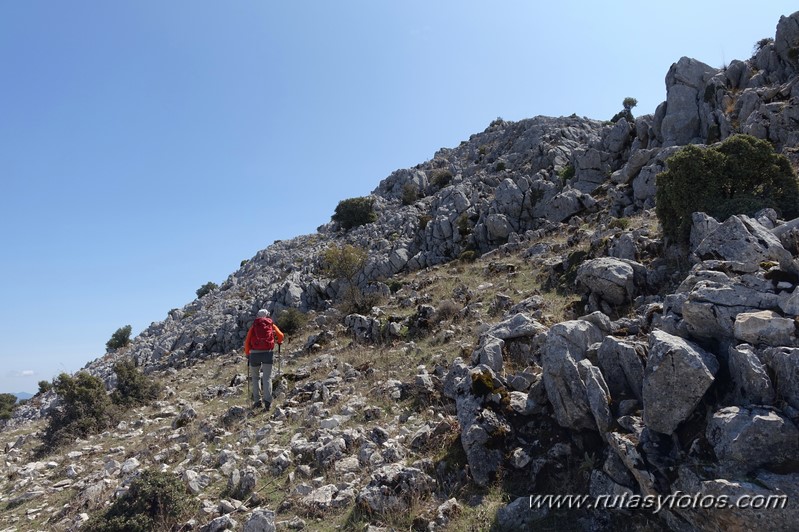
[{"x": 148, "y": 147}]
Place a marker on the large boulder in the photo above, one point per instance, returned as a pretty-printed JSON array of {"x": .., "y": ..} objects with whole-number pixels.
[
  {"x": 681, "y": 119},
  {"x": 394, "y": 488},
  {"x": 711, "y": 300},
  {"x": 677, "y": 375},
  {"x": 769, "y": 501},
  {"x": 743, "y": 240},
  {"x": 764, "y": 327},
  {"x": 482, "y": 431},
  {"x": 616, "y": 281},
  {"x": 784, "y": 363},
  {"x": 751, "y": 383},
  {"x": 564, "y": 377},
  {"x": 748, "y": 438},
  {"x": 622, "y": 363}
]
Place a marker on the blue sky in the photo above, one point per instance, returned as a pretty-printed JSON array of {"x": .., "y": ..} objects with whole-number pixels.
[{"x": 148, "y": 147}]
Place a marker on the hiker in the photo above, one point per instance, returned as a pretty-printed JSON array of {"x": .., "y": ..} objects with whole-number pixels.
[{"x": 259, "y": 347}]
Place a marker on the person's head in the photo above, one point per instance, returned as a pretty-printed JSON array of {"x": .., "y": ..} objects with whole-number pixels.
[{"x": 263, "y": 313}]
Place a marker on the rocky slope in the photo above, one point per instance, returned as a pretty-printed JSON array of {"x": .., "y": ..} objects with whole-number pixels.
[{"x": 574, "y": 356}]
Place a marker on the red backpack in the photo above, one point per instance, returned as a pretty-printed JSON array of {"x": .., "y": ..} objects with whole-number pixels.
[{"x": 263, "y": 335}]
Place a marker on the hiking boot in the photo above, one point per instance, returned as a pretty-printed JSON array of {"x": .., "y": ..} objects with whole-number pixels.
[
  {"x": 256, "y": 404},
  {"x": 267, "y": 405}
]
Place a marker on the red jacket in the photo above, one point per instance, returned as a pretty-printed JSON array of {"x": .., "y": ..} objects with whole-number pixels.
[{"x": 278, "y": 338}]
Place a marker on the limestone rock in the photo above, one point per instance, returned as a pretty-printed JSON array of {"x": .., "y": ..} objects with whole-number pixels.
[
  {"x": 392, "y": 488},
  {"x": 751, "y": 383},
  {"x": 677, "y": 375},
  {"x": 748, "y": 438},
  {"x": 764, "y": 327}
]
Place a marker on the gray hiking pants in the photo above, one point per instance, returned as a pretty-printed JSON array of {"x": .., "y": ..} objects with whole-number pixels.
[{"x": 261, "y": 375}]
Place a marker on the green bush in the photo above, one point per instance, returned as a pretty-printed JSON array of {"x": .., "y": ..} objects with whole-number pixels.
[
  {"x": 463, "y": 224},
  {"x": 291, "y": 320},
  {"x": 762, "y": 43},
  {"x": 441, "y": 178},
  {"x": 410, "y": 193},
  {"x": 206, "y": 288},
  {"x": 619, "y": 223},
  {"x": 44, "y": 387},
  {"x": 395, "y": 286},
  {"x": 469, "y": 255},
  {"x": 345, "y": 263},
  {"x": 7, "y": 403},
  {"x": 120, "y": 338},
  {"x": 566, "y": 173},
  {"x": 85, "y": 409},
  {"x": 628, "y": 103},
  {"x": 355, "y": 212},
  {"x": 741, "y": 175},
  {"x": 154, "y": 501},
  {"x": 133, "y": 388}
]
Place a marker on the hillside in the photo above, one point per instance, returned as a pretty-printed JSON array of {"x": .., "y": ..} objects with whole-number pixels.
[{"x": 521, "y": 328}]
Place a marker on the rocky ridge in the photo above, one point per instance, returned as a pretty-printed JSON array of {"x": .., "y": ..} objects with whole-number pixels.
[{"x": 648, "y": 378}]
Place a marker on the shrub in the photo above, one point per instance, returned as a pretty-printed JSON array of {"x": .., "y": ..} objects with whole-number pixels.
[
  {"x": 154, "y": 501},
  {"x": 441, "y": 178},
  {"x": 566, "y": 173},
  {"x": 762, "y": 43},
  {"x": 739, "y": 176},
  {"x": 119, "y": 339},
  {"x": 44, "y": 387},
  {"x": 395, "y": 286},
  {"x": 345, "y": 264},
  {"x": 424, "y": 220},
  {"x": 463, "y": 224},
  {"x": 206, "y": 288},
  {"x": 133, "y": 388},
  {"x": 628, "y": 103},
  {"x": 355, "y": 212},
  {"x": 447, "y": 309},
  {"x": 500, "y": 166},
  {"x": 291, "y": 320},
  {"x": 410, "y": 193},
  {"x": 7, "y": 403},
  {"x": 469, "y": 255},
  {"x": 85, "y": 409},
  {"x": 619, "y": 223}
]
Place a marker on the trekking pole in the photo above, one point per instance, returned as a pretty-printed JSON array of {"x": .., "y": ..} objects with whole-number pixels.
[{"x": 247, "y": 375}]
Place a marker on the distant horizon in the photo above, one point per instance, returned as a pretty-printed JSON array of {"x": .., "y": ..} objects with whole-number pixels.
[
  {"x": 151, "y": 147},
  {"x": 22, "y": 395}
]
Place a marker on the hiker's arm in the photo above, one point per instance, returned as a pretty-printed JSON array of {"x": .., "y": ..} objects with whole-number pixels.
[{"x": 278, "y": 334}]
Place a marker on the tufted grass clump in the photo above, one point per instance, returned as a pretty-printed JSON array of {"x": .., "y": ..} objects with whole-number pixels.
[
  {"x": 619, "y": 223},
  {"x": 741, "y": 175},
  {"x": 566, "y": 173}
]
